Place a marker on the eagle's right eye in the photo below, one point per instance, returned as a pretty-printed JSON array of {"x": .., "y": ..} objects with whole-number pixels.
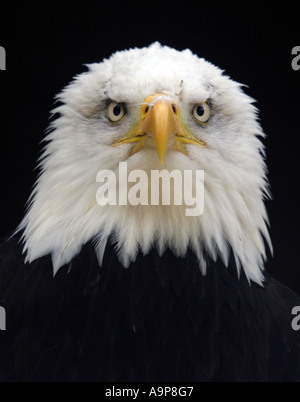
[{"x": 116, "y": 111}]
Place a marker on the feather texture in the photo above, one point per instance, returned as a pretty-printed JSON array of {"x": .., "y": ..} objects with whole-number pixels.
[
  {"x": 63, "y": 213},
  {"x": 158, "y": 320}
]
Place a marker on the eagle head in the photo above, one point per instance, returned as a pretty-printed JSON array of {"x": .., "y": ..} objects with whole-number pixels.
[{"x": 151, "y": 109}]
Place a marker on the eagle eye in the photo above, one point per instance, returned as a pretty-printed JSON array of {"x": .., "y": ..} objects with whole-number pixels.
[
  {"x": 201, "y": 113},
  {"x": 116, "y": 111}
]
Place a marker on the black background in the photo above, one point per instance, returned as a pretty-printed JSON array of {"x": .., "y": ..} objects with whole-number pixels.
[{"x": 48, "y": 43}]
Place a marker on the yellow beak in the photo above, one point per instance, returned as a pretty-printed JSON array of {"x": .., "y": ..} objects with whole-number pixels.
[{"x": 160, "y": 118}]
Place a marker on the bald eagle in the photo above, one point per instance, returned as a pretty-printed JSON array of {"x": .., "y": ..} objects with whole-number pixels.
[{"x": 143, "y": 291}]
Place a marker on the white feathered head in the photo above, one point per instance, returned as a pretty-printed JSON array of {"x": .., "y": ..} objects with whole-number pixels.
[{"x": 153, "y": 108}]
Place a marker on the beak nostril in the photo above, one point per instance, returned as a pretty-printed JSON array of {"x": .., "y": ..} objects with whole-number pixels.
[
  {"x": 146, "y": 109},
  {"x": 174, "y": 108}
]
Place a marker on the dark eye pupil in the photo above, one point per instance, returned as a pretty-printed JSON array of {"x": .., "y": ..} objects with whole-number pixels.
[
  {"x": 200, "y": 110},
  {"x": 117, "y": 110}
]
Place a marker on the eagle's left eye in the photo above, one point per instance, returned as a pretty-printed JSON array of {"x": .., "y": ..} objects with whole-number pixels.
[
  {"x": 116, "y": 111},
  {"x": 201, "y": 113}
]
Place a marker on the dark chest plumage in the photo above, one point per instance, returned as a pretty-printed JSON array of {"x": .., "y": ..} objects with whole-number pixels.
[{"x": 158, "y": 320}]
